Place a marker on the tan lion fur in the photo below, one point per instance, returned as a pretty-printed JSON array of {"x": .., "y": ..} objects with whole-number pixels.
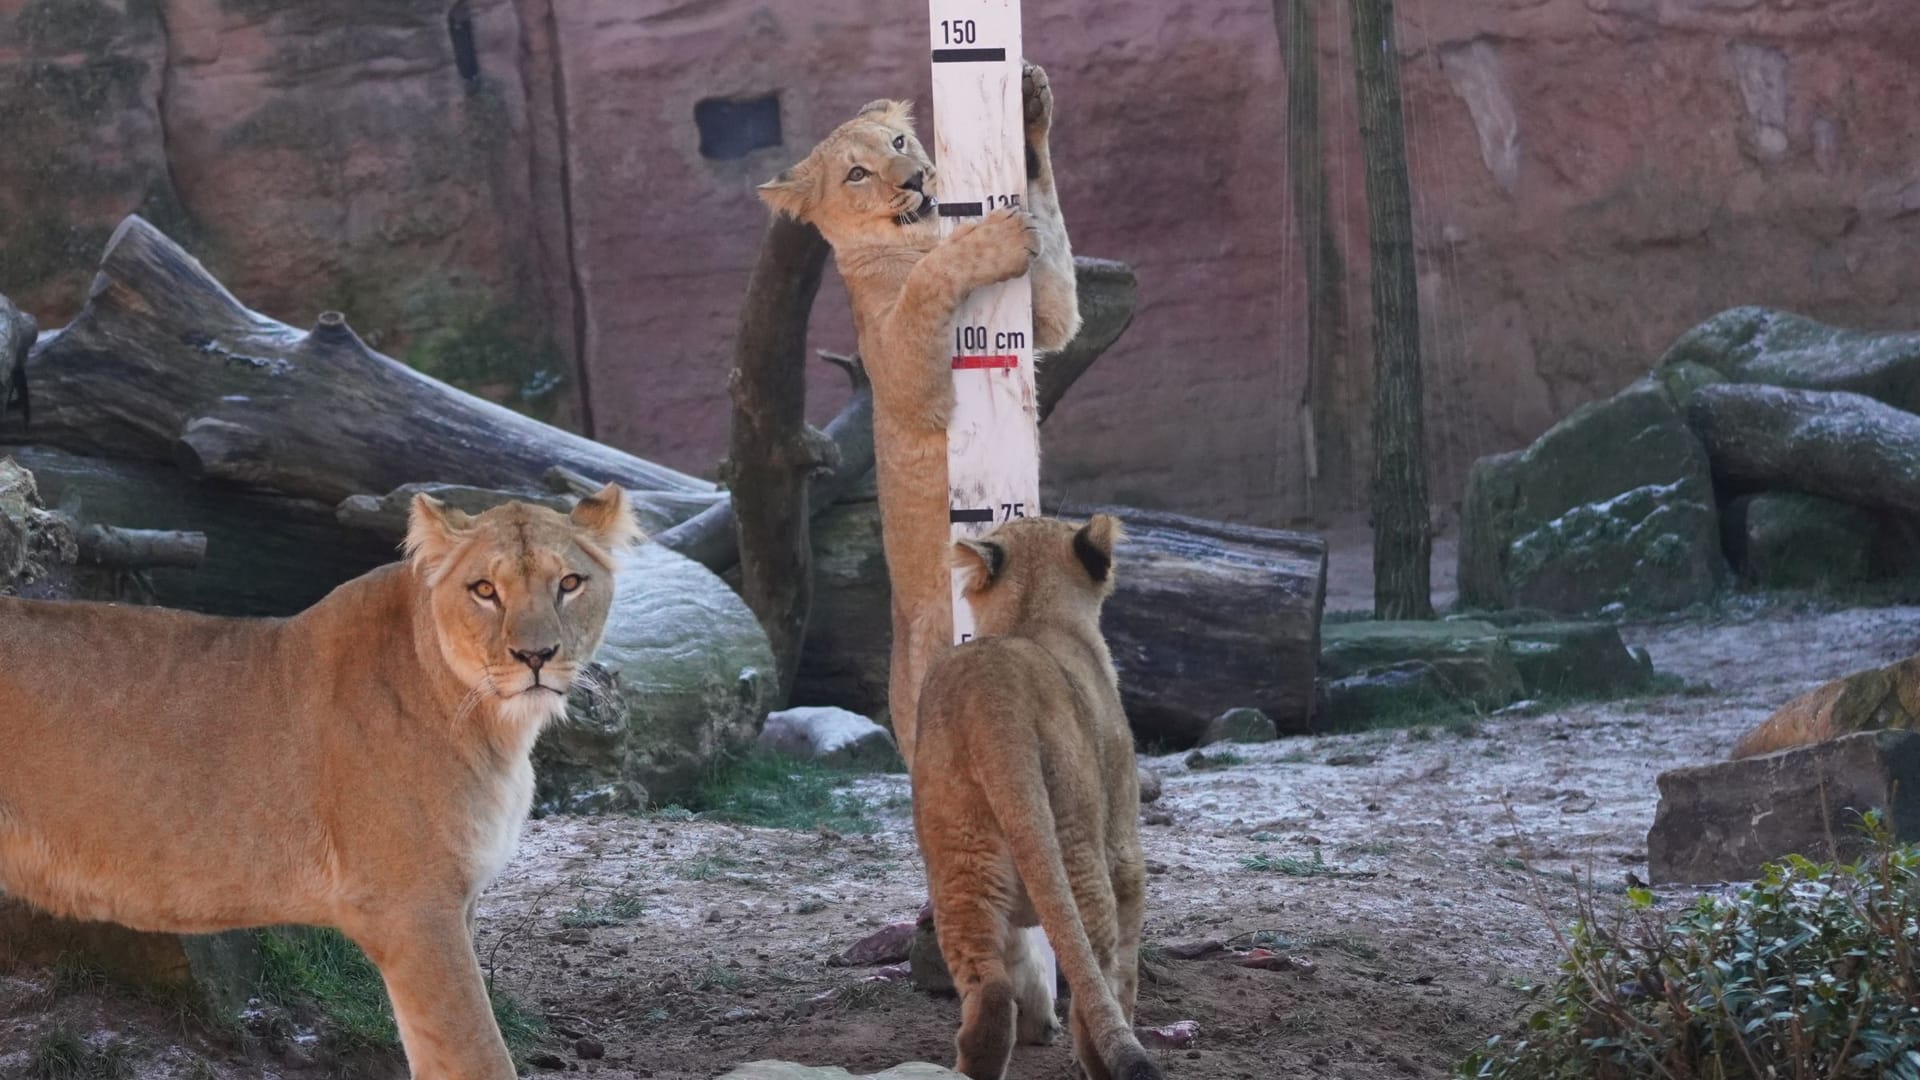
[
  {"x": 362, "y": 765},
  {"x": 905, "y": 284},
  {"x": 1026, "y": 802}
]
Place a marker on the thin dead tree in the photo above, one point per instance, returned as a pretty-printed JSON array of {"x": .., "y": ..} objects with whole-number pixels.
[{"x": 1402, "y": 540}]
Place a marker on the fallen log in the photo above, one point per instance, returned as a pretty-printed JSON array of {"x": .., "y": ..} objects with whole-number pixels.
[
  {"x": 1206, "y": 616},
  {"x": 265, "y": 554},
  {"x": 140, "y": 549},
  {"x": 164, "y": 365},
  {"x": 1837, "y": 445},
  {"x": 17, "y": 333}
]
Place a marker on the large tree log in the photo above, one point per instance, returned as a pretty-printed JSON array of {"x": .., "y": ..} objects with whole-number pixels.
[
  {"x": 164, "y": 365},
  {"x": 772, "y": 453},
  {"x": 1838, "y": 445},
  {"x": 265, "y": 554},
  {"x": 1206, "y": 616}
]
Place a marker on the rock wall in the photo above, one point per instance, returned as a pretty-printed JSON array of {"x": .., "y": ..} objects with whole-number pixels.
[{"x": 516, "y": 189}]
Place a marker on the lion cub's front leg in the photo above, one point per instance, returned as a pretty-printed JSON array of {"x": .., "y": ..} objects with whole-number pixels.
[
  {"x": 914, "y": 377},
  {"x": 1056, "y": 294}
]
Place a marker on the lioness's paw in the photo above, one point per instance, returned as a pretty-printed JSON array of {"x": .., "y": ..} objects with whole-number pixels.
[{"x": 1036, "y": 94}]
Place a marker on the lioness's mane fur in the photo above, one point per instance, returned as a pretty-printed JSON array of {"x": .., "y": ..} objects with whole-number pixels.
[
  {"x": 362, "y": 765},
  {"x": 866, "y": 187}
]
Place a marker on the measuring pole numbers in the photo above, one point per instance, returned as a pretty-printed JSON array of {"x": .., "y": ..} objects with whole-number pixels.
[{"x": 979, "y": 138}]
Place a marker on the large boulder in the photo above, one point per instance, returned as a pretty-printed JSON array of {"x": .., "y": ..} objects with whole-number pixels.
[
  {"x": 1565, "y": 659},
  {"x": 36, "y": 547},
  {"x": 1385, "y": 670},
  {"x": 1790, "y": 540},
  {"x": 682, "y": 681},
  {"x": 1877, "y": 699},
  {"x": 1758, "y": 345},
  {"x": 1721, "y": 822},
  {"x": 1614, "y": 504}
]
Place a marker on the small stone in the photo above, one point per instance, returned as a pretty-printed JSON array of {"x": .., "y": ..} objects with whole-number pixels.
[
  {"x": 1149, "y": 785},
  {"x": 570, "y": 937},
  {"x": 888, "y": 945},
  {"x": 1156, "y": 817},
  {"x": 1242, "y": 725},
  {"x": 1353, "y": 759},
  {"x": 589, "y": 1049},
  {"x": 540, "y": 1059},
  {"x": 1179, "y": 1035}
]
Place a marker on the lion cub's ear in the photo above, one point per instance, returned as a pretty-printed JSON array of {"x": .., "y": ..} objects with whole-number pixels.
[
  {"x": 433, "y": 531},
  {"x": 608, "y": 516},
  {"x": 894, "y": 114},
  {"x": 1094, "y": 542},
  {"x": 792, "y": 192},
  {"x": 984, "y": 560}
]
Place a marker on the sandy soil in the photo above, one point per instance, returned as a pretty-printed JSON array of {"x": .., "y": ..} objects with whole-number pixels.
[{"x": 1398, "y": 868}]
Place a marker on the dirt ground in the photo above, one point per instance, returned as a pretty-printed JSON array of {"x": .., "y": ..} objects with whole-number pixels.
[{"x": 1396, "y": 863}]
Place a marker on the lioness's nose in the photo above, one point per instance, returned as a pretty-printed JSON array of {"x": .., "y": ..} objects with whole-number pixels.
[
  {"x": 535, "y": 659},
  {"x": 914, "y": 182}
]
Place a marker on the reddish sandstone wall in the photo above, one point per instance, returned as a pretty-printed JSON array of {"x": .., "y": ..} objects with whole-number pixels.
[{"x": 1594, "y": 176}]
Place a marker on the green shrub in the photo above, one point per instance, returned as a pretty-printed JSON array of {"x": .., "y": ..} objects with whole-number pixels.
[{"x": 1808, "y": 973}]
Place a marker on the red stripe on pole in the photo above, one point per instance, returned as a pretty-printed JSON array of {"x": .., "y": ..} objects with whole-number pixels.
[{"x": 973, "y": 363}]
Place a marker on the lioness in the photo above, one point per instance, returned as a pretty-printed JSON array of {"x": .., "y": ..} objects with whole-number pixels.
[
  {"x": 362, "y": 765},
  {"x": 1025, "y": 797},
  {"x": 865, "y": 188}
]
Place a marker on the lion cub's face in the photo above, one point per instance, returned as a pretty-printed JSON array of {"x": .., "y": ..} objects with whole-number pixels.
[
  {"x": 1036, "y": 568},
  {"x": 520, "y": 593},
  {"x": 869, "y": 178}
]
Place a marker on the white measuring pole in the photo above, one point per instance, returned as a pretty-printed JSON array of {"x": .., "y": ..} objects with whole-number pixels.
[
  {"x": 979, "y": 151},
  {"x": 993, "y": 441}
]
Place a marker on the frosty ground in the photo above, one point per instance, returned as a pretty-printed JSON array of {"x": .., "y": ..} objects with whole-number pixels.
[{"x": 1421, "y": 871}]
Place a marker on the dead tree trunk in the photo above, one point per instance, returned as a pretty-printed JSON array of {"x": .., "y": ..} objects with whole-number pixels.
[
  {"x": 1335, "y": 447},
  {"x": 1402, "y": 543},
  {"x": 163, "y": 364},
  {"x": 772, "y": 452},
  {"x": 17, "y": 332}
]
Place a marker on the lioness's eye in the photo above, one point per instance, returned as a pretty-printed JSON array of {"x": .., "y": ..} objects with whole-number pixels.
[
  {"x": 856, "y": 174},
  {"x": 899, "y": 142},
  {"x": 483, "y": 589},
  {"x": 571, "y": 583}
]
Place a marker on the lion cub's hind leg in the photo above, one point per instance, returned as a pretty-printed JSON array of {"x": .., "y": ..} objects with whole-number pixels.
[
  {"x": 1056, "y": 297},
  {"x": 973, "y": 893},
  {"x": 1033, "y": 986}
]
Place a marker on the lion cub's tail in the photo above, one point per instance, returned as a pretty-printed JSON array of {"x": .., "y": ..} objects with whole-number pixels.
[{"x": 1031, "y": 832}]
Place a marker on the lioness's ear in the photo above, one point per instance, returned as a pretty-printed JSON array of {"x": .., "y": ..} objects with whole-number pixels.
[
  {"x": 609, "y": 517},
  {"x": 433, "y": 530},
  {"x": 897, "y": 114},
  {"x": 1094, "y": 542},
  {"x": 983, "y": 559},
  {"x": 790, "y": 193}
]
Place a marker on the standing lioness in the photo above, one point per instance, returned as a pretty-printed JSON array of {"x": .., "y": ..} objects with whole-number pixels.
[
  {"x": 1025, "y": 797},
  {"x": 362, "y": 765}
]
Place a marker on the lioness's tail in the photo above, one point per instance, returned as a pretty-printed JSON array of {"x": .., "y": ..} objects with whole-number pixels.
[{"x": 1030, "y": 831}]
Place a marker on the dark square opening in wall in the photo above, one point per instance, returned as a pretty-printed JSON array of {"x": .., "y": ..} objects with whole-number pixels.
[{"x": 734, "y": 128}]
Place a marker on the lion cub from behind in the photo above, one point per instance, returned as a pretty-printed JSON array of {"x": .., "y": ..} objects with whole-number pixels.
[{"x": 1025, "y": 799}]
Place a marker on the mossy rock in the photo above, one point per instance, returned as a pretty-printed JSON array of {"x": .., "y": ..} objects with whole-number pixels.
[
  {"x": 1777, "y": 348},
  {"x": 1378, "y": 669},
  {"x": 1576, "y": 659},
  {"x": 1614, "y": 504},
  {"x": 1790, "y": 540}
]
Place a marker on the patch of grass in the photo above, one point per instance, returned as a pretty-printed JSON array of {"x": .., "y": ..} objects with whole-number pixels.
[
  {"x": 716, "y": 977},
  {"x": 1219, "y": 759},
  {"x": 1808, "y": 972},
  {"x": 62, "y": 1055},
  {"x": 321, "y": 971},
  {"x": 1288, "y": 865},
  {"x": 782, "y": 793},
  {"x": 620, "y": 906},
  {"x": 706, "y": 867}
]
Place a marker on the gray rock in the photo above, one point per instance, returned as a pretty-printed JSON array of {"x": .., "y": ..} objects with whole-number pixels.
[
  {"x": 1241, "y": 725},
  {"x": 216, "y": 971},
  {"x": 1576, "y": 659},
  {"x": 37, "y": 548},
  {"x": 828, "y": 734},
  {"x": 684, "y": 679},
  {"x": 1789, "y": 540},
  {"x": 1758, "y": 345},
  {"x": 1149, "y": 785},
  {"x": 1721, "y": 822},
  {"x": 1613, "y": 504},
  {"x": 926, "y": 968},
  {"x": 785, "y": 1070},
  {"x": 1374, "y": 668}
]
